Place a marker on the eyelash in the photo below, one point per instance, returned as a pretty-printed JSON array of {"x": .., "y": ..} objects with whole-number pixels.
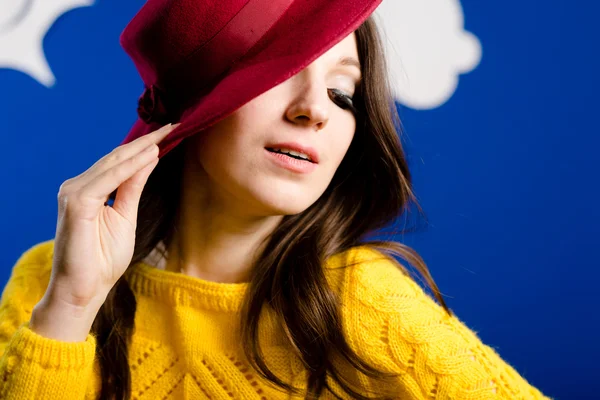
[{"x": 346, "y": 100}]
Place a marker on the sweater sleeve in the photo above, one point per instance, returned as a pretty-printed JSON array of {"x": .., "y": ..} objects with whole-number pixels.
[
  {"x": 32, "y": 366},
  {"x": 395, "y": 325}
]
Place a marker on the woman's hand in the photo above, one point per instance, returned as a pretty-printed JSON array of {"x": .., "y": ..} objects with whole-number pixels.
[{"x": 94, "y": 242}]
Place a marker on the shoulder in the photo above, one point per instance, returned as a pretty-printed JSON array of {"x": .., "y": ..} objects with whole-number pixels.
[
  {"x": 39, "y": 254},
  {"x": 29, "y": 276},
  {"x": 377, "y": 293},
  {"x": 394, "y": 325},
  {"x": 383, "y": 306},
  {"x": 378, "y": 281},
  {"x": 26, "y": 285},
  {"x": 36, "y": 261}
]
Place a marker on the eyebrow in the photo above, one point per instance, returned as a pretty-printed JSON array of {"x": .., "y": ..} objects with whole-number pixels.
[{"x": 349, "y": 61}]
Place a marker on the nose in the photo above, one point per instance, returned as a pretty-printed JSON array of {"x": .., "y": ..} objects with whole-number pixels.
[{"x": 311, "y": 105}]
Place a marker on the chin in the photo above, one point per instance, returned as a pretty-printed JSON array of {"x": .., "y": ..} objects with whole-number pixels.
[
  {"x": 287, "y": 208},
  {"x": 284, "y": 205},
  {"x": 281, "y": 199}
]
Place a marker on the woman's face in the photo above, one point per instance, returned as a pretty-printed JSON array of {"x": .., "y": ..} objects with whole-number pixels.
[{"x": 236, "y": 153}]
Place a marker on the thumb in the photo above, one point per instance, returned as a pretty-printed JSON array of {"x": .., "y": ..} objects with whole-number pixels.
[{"x": 129, "y": 193}]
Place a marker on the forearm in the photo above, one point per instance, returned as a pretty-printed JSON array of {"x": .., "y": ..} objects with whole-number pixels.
[{"x": 46, "y": 351}]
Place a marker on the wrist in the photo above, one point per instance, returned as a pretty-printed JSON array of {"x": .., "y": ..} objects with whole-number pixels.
[
  {"x": 56, "y": 319},
  {"x": 75, "y": 295}
]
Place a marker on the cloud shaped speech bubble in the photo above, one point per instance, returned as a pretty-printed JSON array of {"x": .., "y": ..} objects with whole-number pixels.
[
  {"x": 23, "y": 25},
  {"x": 426, "y": 44},
  {"x": 427, "y": 48}
]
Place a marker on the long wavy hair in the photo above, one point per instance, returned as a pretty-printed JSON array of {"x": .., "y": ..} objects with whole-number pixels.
[{"x": 371, "y": 188}]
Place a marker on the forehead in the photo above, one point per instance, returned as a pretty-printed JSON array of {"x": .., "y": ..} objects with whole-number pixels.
[
  {"x": 345, "y": 48},
  {"x": 343, "y": 53}
]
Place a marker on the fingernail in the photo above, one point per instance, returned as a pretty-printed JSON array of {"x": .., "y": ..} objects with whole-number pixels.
[{"x": 165, "y": 128}]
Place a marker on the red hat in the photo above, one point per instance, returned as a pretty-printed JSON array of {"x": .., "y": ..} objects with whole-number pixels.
[{"x": 200, "y": 60}]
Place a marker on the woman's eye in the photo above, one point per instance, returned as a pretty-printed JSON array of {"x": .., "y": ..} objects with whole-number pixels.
[{"x": 343, "y": 100}]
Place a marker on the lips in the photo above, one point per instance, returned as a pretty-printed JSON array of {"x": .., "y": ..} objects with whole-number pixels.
[
  {"x": 297, "y": 147},
  {"x": 292, "y": 164}
]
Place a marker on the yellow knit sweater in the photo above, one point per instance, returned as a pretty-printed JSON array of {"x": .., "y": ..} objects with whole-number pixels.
[{"x": 185, "y": 344}]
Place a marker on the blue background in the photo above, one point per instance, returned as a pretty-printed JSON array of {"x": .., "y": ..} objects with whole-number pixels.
[{"x": 506, "y": 171}]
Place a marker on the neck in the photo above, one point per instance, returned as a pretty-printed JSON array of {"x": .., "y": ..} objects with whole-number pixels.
[{"x": 216, "y": 239}]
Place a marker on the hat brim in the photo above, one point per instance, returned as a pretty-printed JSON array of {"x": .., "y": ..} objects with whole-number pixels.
[{"x": 288, "y": 47}]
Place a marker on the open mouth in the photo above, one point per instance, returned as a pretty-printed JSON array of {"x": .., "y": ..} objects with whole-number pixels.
[{"x": 288, "y": 155}]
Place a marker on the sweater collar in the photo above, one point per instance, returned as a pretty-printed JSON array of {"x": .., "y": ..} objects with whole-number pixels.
[
  {"x": 150, "y": 278},
  {"x": 179, "y": 289}
]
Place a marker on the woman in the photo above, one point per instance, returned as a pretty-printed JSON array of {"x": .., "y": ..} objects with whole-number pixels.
[{"x": 237, "y": 265}]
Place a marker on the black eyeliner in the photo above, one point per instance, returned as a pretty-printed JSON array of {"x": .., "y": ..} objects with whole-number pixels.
[{"x": 348, "y": 101}]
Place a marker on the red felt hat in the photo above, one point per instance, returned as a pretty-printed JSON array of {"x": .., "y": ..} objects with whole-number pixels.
[{"x": 200, "y": 60}]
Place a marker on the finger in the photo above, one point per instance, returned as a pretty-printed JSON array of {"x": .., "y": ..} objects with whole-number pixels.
[
  {"x": 130, "y": 192},
  {"x": 122, "y": 153},
  {"x": 98, "y": 189},
  {"x": 128, "y": 150}
]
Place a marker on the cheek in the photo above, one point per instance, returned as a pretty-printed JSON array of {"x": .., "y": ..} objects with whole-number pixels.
[
  {"x": 225, "y": 158},
  {"x": 205, "y": 148},
  {"x": 338, "y": 147},
  {"x": 206, "y": 153},
  {"x": 217, "y": 155}
]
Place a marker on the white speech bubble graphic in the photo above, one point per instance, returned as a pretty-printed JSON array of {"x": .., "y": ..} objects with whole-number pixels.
[
  {"x": 427, "y": 49},
  {"x": 23, "y": 25}
]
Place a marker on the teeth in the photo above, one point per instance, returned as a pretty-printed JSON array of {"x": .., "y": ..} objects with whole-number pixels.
[{"x": 294, "y": 153}]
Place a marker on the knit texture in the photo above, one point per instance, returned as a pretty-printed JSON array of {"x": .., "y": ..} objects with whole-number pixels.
[{"x": 186, "y": 344}]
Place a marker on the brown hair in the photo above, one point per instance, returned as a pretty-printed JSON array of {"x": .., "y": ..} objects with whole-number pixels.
[{"x": 370, "y": 189}]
